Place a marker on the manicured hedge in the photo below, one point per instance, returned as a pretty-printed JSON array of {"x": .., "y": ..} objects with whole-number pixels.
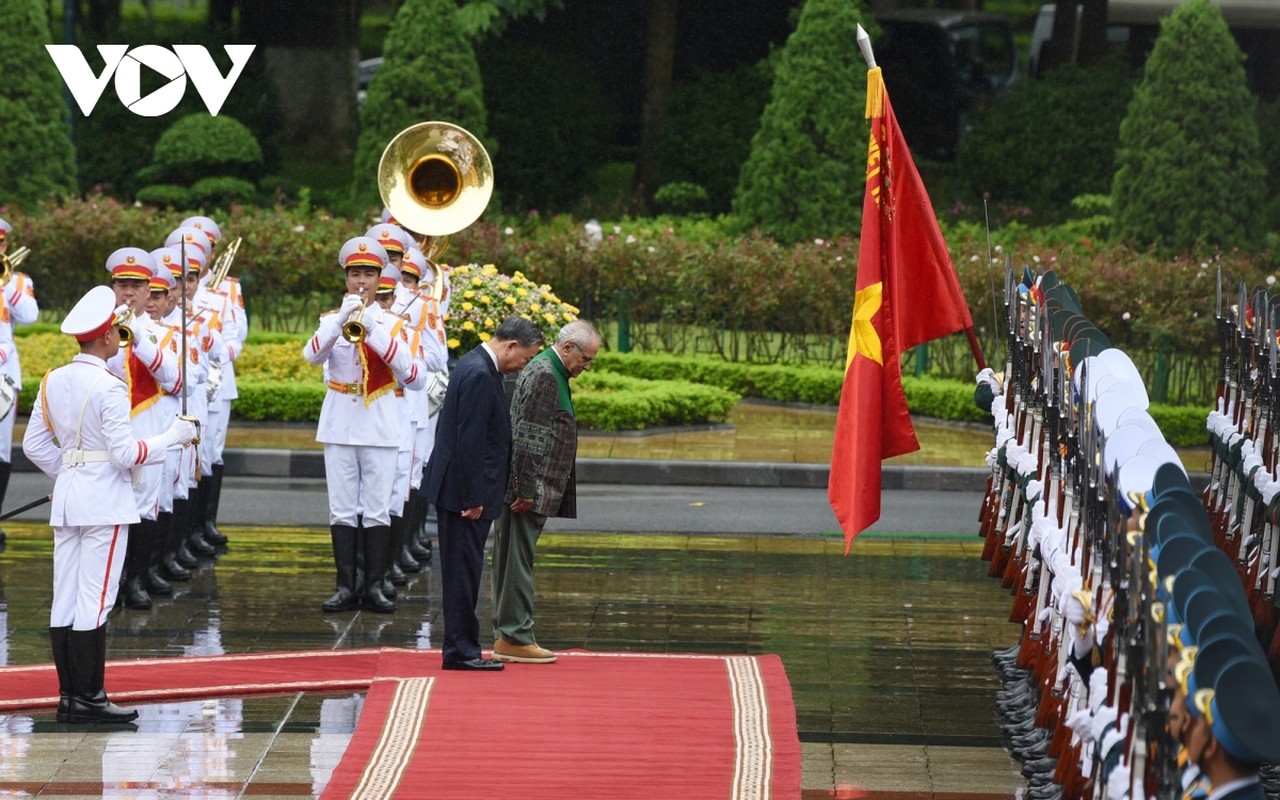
[
  {"x": 609, "y": 402},
  {"x": 632, "y": 391}
]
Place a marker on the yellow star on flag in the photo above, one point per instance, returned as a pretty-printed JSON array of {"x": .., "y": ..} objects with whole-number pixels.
[{"x": 863, "y": 339}]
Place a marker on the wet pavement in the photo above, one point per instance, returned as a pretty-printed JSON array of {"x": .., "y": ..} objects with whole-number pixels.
[{"x": 887, "y": 650}]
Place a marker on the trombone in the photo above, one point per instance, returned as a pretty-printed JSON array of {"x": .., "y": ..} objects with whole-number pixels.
[
  {"x": 9, "y": 263},
  {"x": 222, "y": 266}
]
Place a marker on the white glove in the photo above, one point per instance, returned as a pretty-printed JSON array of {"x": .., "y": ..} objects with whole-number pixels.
[
  {"x": 376, "y": 337},
  {"x": 1081, "y": 721},
  {"x": 1118, "y": 782},
  {"x": 988, "y": 376},
  {"x": 183, "y": 431},
  {"x": 350, "y": 303},
  {"x": 1098, "y": 690},
  {"x": 1074, "y": 612}
]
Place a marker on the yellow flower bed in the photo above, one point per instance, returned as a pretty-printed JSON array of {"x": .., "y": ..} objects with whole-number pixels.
[{"x": 483, "y": 297}]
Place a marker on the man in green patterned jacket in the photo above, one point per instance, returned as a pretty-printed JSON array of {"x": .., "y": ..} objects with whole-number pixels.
[{"x": 544, "y": 449}]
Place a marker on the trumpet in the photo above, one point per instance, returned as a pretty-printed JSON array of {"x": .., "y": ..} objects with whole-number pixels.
[
  {"x": 124, "y": 320},
  {"x": 222, "y": 266},
  {"x": 9, "y": 262},
  {"x": 353, "y": 329}
]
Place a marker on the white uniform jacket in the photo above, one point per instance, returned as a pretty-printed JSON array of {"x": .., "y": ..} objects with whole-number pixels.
[
  {"x": 79, "y": 435},
  {"x": 227, "y": 318},
  {"x": 357, "y": 410},
  {"x": 19, "y": 307}
]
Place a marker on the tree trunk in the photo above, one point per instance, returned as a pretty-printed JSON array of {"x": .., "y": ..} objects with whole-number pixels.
[
  {"x": 1093, "y": 31},
  {"x": 220, "y": 15},
  {"x": 104, "y": 15},
  {"x": 659, "y": 59},
  {"x": 1061, "y": 47},
  {"x": 1077, "y": 38},
  {"x": 310, "y": 49}
]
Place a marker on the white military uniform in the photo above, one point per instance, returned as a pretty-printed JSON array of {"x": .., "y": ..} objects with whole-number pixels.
[
  {"x": 150, "y": 353},
  {"x": 79, "y": 435},
  {"x": 361, "y": 426},
  {"x": 18, "y": 308}
]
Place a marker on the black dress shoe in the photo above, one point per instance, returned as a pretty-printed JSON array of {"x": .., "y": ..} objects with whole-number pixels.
[{"x": 476, "y": 664}]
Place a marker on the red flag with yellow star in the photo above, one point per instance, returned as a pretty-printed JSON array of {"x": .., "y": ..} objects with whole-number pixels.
[{"x": 907, "y": 294}]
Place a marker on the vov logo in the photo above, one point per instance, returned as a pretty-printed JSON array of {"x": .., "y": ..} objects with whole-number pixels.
[{"x": 125, "y": 64}]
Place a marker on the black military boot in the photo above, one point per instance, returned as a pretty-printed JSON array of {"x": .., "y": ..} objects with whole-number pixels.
[
  {"x": 415, "y": 511},
  {"x": 377, "y": 543},
  {"x": 87, "y": 651},
  {"x": 345, "y": 597},
  {"x": 5, "y": 469},
  {"x": 133, "y": 588},
  {"x": 156, "y": 585},
  {"x": 169, "y": 566},
  {"x": 211, "y": 533},
  {"x": 62, "y": 663},
  {"x": 195, "y": 542},
  {"x": 395, "y": 574}
]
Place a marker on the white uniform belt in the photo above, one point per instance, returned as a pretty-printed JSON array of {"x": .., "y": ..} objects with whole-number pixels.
[{"x": 78, "y": 458}]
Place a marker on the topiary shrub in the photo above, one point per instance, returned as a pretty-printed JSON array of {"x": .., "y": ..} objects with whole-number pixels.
[
  {"x": 222, "y": 191},
  {"x": 164, "y": 195},
  {"x": 429, "y": 72},
  {"x": 681, "y": 198},
  {"x": 200, "y": 146},
  {"x": 37, "y": 159},
  {"x": 806, "y": 174},
  {"x": 1066, "y": 126},
  {"x": 1189, "y": 176}
]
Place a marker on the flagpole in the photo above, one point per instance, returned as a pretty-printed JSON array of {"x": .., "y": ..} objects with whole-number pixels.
[{"x": 864, "y": 44}]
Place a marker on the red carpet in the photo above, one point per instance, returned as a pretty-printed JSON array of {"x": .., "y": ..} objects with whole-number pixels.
[{"x": 617, "y": 725}]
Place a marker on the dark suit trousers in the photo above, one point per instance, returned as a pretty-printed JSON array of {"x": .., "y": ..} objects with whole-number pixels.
[{"x": 461, "y": 563}]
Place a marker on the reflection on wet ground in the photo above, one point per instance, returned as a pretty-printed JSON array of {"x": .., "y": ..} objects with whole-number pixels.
[{"x": 887, "y": 653}]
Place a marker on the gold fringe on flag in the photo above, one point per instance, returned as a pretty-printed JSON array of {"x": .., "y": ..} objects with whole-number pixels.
[{"x": 875, "y": 93}]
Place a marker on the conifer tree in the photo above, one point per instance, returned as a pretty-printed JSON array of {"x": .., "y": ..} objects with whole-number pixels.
[
  {"x": 37, "y": 159},
  {"x": 1189, "y": 175},
  {"x": 807, "y": 169},
  {"x": 429, "y": 72}
]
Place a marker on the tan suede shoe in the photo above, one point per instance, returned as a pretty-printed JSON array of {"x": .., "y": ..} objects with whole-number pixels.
[{"x": 521, "y": 653}]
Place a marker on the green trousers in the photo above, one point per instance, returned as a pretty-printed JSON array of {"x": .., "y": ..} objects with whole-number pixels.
[{"x": 514, "y": 543}]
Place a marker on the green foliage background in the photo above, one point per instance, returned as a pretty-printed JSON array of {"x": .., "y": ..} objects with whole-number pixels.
[
  {"x": 1049, "y": 140},
  {"x": 1188, "y": 169},
  {"x": 37, "y": 159},
  {"x": 805, "y": 176},
  {"x": 706, "y": 135}
]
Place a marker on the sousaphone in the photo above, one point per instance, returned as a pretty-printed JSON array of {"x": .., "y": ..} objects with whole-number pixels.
[{"x": 436, "y": 179}]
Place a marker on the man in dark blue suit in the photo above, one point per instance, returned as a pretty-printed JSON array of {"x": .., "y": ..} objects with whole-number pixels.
[{"x": 466, "y": 478}]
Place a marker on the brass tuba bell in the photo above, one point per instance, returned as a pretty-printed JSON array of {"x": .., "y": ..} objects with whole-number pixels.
[{"x": 436, "y": 179}]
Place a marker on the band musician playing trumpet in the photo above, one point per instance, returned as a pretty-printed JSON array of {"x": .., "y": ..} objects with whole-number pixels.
[
  {"x": 365, "y": 362},
  {"x": 17, "y": 307}
]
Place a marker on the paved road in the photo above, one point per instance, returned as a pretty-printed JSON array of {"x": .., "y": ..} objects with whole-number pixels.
[{"x": 640, "y": 506}]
